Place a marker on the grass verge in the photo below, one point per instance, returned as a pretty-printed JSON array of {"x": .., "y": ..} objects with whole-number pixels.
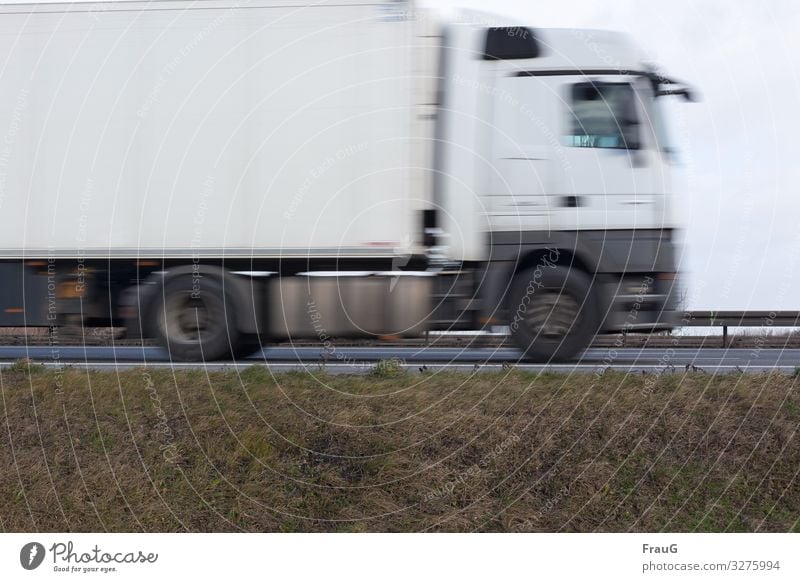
[{"x": 189, "y": 451}]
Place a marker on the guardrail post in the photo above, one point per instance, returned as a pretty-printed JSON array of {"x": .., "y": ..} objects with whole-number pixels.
[{"x": 725, "y": 336}]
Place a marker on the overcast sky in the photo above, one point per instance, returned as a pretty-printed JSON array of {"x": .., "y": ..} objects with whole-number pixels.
[
  {"x": 739, "y": 147},
  {"x": 739, "y": 174}
]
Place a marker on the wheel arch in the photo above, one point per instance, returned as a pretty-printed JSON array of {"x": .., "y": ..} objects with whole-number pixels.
[{"x": 546, "y": 255}]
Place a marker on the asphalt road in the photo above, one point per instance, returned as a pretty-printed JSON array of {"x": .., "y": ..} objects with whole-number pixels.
[{"x": 362, "y": 359}]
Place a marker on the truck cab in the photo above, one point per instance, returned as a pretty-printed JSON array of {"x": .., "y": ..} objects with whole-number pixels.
[{"x": 556, "y": 176}]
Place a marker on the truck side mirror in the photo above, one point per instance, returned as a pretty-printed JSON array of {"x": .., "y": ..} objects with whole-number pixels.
[{"x": 684, "y": 92}]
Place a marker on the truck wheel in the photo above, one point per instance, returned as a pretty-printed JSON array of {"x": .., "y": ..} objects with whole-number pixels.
[
  {"x": 196, "y": 322},
  {"x": 552, "y": 313}
]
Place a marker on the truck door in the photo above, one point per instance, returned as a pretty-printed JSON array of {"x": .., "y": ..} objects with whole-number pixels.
[
  {"x": 522, "y": 136},
  {"x": 608, "y": 154},
  {"x": 571, "y": 152}
]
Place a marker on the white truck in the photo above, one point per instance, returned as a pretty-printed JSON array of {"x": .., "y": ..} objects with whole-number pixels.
[{"x": 222, "y": 174}]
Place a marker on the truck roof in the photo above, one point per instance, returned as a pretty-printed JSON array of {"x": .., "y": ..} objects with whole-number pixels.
[
  {"x": 105, "y": 5},
  {"x": 565, "y": 48},
  {"x": 588, "y": 49},
  {"x": 562, "y": 48}
]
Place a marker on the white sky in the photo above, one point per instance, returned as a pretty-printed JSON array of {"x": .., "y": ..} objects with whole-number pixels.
[{"x": 739, "y": 174}]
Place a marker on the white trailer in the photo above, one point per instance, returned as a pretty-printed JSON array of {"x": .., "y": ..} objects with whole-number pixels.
[{"x": 221, "y": 174}]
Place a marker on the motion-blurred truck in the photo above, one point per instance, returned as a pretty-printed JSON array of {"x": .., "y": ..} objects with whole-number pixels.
[{"x": 222, "y": 175}]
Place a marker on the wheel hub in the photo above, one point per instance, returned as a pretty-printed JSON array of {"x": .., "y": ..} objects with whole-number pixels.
[
  {"x": 552, "y": 314},
  {"x": 187, "y": 319}
]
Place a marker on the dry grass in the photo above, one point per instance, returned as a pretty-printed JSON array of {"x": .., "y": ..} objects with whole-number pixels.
[{"x": 164, "y": 451}]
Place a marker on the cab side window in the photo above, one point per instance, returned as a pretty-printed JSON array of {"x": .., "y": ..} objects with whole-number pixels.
[{"x": 602, "y": 115}]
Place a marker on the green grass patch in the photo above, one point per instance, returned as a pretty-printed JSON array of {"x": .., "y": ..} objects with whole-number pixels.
[{"x": 160, "y": 450}]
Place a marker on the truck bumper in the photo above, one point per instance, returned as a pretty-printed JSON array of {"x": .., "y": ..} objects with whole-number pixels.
[
  {"x": 633, "y": 273},
  {"x": 640, "y": 303}
]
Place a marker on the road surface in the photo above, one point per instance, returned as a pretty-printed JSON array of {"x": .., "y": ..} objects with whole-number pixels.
[{"x": 362, "y": 359}]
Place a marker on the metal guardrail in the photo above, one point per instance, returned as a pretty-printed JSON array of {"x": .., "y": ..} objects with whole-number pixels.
[
  {"x": 745, "y": 318},
  {"x": 726, "y": 319},
  {"x": 723, "y": 319}
]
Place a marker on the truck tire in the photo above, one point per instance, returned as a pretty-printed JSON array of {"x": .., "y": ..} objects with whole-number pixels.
[
  {"x": 552, "y": 313},
  {"x": 195, "y": 321}
]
